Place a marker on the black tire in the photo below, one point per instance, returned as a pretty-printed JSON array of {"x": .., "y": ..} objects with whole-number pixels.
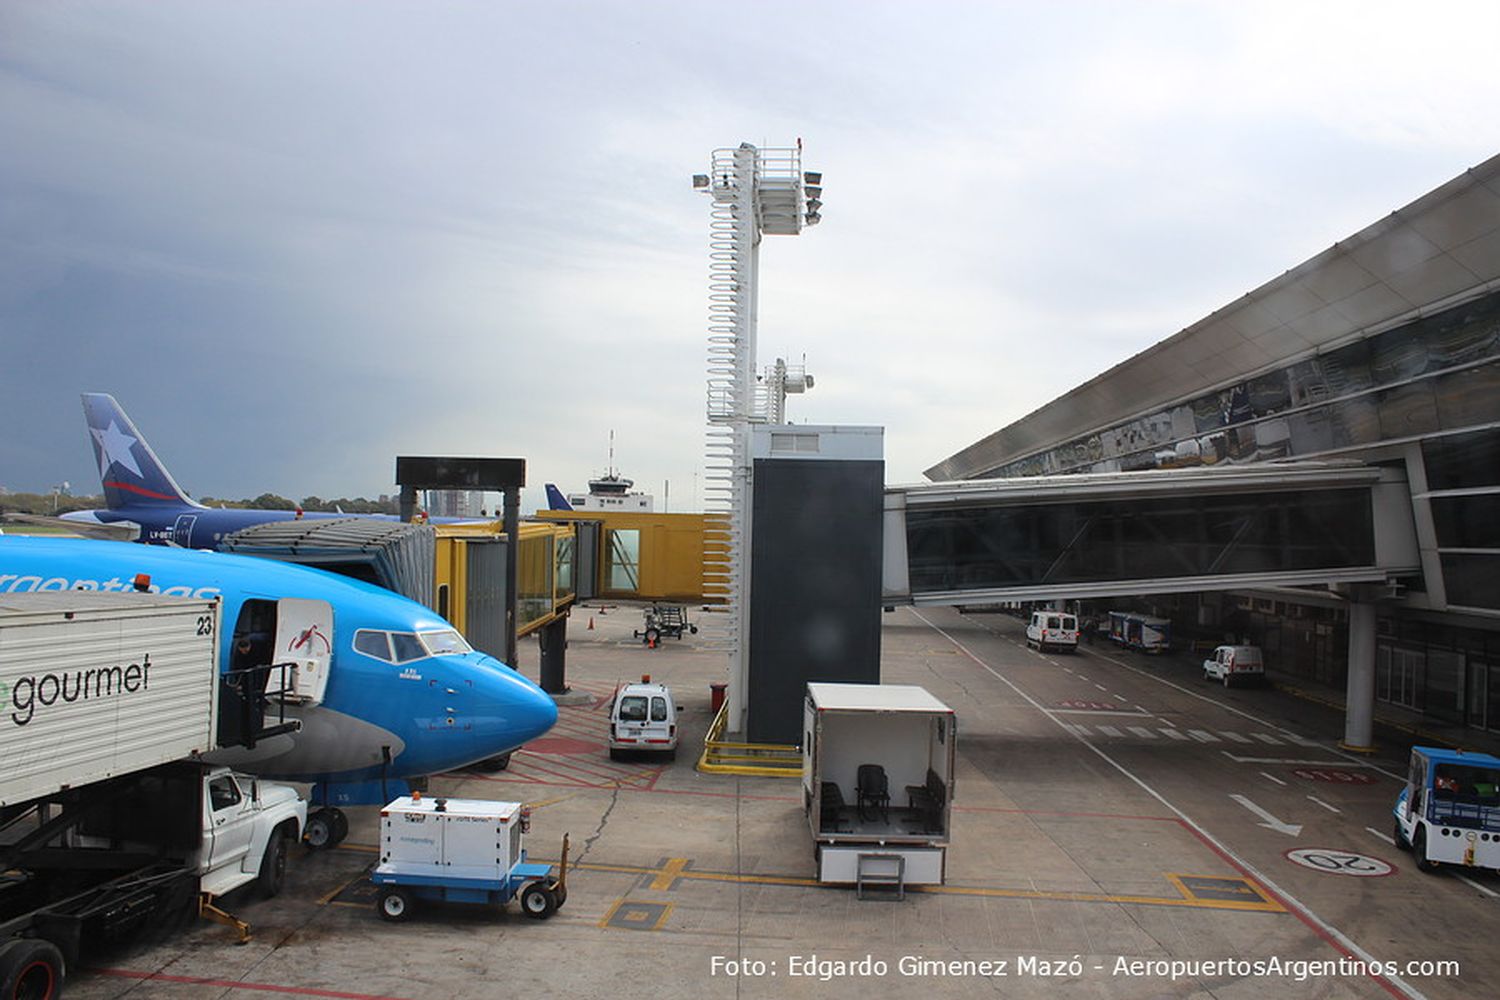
[
  {"x": 318, "y": 832},
  {"x": 1419, "y": 851},
  {"x": 538, "y": 902},
  {"x": 499, "y": 763},
  {"x": 672, "y": 754},
  {"x": 1226, "y": 681},
  {"x": 30, "y": 969},
  {"x": 616, "y": 754},
  {"x": 340, "y": 826},
  {"x": 1402, "y": 844},
  {"x": 562, "y": 895},
  {"x": 395, "y": 904},
  {"x": 272, "y": 867}
]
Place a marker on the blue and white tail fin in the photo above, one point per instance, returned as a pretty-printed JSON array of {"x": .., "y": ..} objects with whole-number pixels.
[
  {"x": 555, "y": 499},
  {"x": 129, "y": 470}
]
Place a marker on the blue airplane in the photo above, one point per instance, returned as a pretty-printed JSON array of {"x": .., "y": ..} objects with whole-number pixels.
[
  {"x": 384, "y": 689},
  {"x": 144, "y": 503}
]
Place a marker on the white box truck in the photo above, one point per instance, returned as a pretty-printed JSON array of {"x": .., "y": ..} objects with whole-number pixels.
[
  {"x": 109, "y": 821},
  {"x": 877, "y": 783}
]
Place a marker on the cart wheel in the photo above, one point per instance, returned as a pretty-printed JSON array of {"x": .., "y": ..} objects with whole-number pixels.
[
  {"x": 394, "y": 903},
  {"x": 693, "y": 629},
  {"x": 538, "y": 902},
  {"x": 30, "y": 967},
  {"x": 1419, "y": 849},
  {"x": 653, "y": 635},
  {"x": 1399, "y": 836}
]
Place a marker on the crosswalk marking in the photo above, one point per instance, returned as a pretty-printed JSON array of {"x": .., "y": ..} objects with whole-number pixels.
[
  {"x": 1264, "y": 738},
  {"x": 1174, "y": 734},
  {"x": 1203, "y": 736},
  {"x": 1188, "y": 736},
  {"x": 1142, "y": 732},
  {"x": 1109, "y": 731},
  {"x": 1235, "y": 737}
]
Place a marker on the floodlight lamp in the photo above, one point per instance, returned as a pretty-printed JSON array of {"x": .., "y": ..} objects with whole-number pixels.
[
  {"x": 813, "y": 205},
  {"x": 812, "y": 177},
  {"x": 700, "y": 180},
  {"x": 813, "y": 191},
  {"x": 813, "y": 218}
]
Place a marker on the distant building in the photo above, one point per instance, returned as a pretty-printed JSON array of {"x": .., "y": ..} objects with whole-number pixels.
[{"x": 455, "y": 503}]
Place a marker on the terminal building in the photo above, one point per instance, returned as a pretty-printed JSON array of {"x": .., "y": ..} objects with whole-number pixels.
[{"x": 1382, "y": 350}]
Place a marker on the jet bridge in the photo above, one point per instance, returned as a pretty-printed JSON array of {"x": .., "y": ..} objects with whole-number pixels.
[{"x": 1167, "y": 531}]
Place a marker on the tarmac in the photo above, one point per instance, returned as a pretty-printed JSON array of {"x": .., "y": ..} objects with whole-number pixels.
[{"x": 1064, "y": 877}]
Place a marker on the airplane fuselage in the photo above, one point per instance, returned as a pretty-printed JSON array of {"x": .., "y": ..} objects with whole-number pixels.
[{"x": 403, "y": 712}]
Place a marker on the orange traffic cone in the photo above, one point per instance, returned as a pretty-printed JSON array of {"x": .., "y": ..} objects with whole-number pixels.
[{"x": 591, "y": 624}]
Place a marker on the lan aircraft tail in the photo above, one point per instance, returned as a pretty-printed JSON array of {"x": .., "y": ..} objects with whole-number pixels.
[{"x": 132, "y": 475}]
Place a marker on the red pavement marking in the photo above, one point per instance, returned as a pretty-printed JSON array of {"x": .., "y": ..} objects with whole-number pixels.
[{"x": 562, "y": 745}]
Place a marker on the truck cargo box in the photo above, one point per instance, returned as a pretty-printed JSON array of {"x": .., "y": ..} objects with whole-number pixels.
[{"x": 95, "y": 684}]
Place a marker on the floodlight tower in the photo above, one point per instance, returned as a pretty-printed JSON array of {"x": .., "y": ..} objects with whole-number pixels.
[{"x": 753, "y": 192}]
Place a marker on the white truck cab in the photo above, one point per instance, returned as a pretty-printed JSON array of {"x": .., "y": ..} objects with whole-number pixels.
[
  {"x": 1052, "y": 629},
  {"x": 1235, "y": 665},
  {"x": 643, "y": 717},
  {"x": 248, "y": 827}
]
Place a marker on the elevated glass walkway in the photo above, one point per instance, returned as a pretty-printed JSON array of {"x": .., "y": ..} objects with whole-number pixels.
[{"x": 1169, "y": 531}]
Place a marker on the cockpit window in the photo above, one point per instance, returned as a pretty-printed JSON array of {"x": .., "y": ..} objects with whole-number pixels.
[
  {"x": 444, "y": 643},
  {"x": 373, "y": 643},
  {"x": 407, "y": 647}
]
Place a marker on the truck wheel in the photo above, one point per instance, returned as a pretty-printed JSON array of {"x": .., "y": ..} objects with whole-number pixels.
[
  {"x": 538, "y": 902},
  {"x": 340, "y": 826},
  {"x": 394, "y": 903},
  {"x": 272, "y": 866},
  {"x": 30, "y": 969},
  {"x": 1419, "y": 850},
  {"x": 1402, "y": 844},
  {"x": 319, "y": 832}
]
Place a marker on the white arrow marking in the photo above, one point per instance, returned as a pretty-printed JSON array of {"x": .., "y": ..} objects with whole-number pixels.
[{"x": 1271, "y": 822}]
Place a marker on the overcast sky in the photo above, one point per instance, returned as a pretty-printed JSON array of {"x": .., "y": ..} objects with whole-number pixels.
[{"x": 298, "y": 239}]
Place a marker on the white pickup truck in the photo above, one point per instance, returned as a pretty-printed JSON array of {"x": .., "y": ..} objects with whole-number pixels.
[{"x": 109, "y": 822}]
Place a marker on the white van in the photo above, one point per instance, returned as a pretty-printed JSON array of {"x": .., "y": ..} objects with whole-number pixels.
[
  {"x": 643, "y": 717},
  {"x": 1233, "y": 664},
  {"x": 1054, "y": 629}
]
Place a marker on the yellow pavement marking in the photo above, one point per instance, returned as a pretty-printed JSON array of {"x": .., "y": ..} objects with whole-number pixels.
[{"x": 667, "y": 875}]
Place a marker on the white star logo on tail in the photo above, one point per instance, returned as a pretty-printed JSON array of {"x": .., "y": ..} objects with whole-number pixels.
[{"x": 114, "y": 447}]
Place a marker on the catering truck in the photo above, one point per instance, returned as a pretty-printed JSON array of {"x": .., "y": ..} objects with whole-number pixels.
[
  {"x": 877, "y": 783},
  {"x": 110, "y": 821}
]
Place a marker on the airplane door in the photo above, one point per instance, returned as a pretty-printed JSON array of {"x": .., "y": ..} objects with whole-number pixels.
[
  {"x": 182, "y": 531},
  {"x": 304, "y": 639}
]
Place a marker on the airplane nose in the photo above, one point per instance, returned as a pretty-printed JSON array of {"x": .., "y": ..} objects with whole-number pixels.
[{"x": 508, "y": 709}]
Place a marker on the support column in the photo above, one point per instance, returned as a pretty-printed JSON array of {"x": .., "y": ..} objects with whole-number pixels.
[
  {"x": 1359, "y": 702},
  {"x": 552, "y": 641}
]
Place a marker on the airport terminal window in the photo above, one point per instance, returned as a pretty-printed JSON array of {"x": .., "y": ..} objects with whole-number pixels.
[
  {"x": 1467, "y": 522},
  {"x": 372, "y": 643},
  {"x": 1462, "y": 461},
  {"x": 1434, "y": 373},
  {"x": 407, "y": 647},
  {"x": 1472, "y": 578}
]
